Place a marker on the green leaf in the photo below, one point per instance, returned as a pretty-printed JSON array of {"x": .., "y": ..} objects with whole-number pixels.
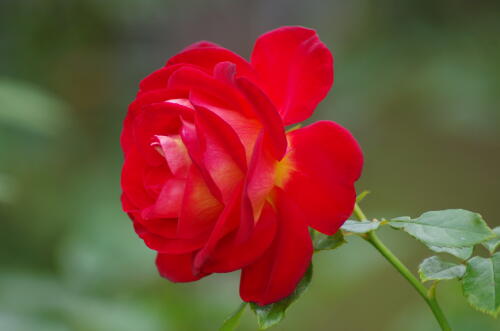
[
  {"x": 433, "y": 268},
  {"x": 492, "y": 244},
  {"x": 462, "y": 253},
  {"x": 360, "y": 226},
  {"x": 324, "y": 242},
  {"x": 446, "y": 228},
  {"x": 273, "y": 313},
  {"x": 481, "y": 284},
  {"x": 231, "y": 323}
]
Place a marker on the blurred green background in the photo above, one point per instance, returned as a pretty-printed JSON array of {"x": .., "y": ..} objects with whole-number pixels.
[{"x": 417, "y": 82}]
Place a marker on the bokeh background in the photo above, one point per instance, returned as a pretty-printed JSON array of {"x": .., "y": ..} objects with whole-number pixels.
[{"x": 417, "y": 82}]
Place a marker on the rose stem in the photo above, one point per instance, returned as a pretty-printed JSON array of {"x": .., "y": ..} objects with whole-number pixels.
[{"x": 428, "y": 295}]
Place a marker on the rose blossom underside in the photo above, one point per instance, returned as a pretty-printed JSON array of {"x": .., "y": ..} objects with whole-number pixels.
[{"x": 211, "y": 180}]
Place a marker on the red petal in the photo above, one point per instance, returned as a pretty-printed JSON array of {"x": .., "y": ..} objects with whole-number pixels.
[
  {"x": 295, "y": 69},
  {"x": 207, "y": 58},
  {"x": 228, "y": 220},
  {"x": 275, "y": 275},
  {"x": 175, "y": 153},
  {"x": 231, "y": 254},
  {"x": 127, "y": 205},
  {"x": 217, "y": 134},
  {"x": 132, "y": 179},
  {"x": 158, "y": 79},
  {"x": 222, "y": 153},
  {"x": 213, "y": 91},
  {"x": 245, "y": 127},
  {"x": 200, "y": 208},
  {"x": 189, "y": 136},
  {"x": 222, "y": 98},
  {"x": 260, "y": 178},
  {"x": 156, "y": 119},
  {"x": 137, "y": 107},
  {"x": 164, "y": 227},
  {"x": 201, "y": 44},
  {"x": 267, "y": 114},
  {"x": 168, "y": 245},
  {"x": 177, "y": 268},
  {"x": 225, "y": 71},
  {"x": 154, "y": 179},
  {"x": 168, "y": 203},
  {"x": 326, "y": 161}
]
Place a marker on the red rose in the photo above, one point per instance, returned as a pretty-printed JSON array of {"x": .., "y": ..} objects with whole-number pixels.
[{"x": 213, "y": 182}]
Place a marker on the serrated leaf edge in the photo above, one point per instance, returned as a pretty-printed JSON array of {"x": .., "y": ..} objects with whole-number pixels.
[
  {"x": 398, "y": 224},
  {"x": 493, "y": 314},
  {"x": 435, "y": 249}
]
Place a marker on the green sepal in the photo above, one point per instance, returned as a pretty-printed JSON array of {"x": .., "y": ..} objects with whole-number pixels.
[
  {"x": 232, "y": 322},
  {"x": 272, "y": 314},
  {"x": 323, "y": 242},
  {"x": 362, "y": 195}
]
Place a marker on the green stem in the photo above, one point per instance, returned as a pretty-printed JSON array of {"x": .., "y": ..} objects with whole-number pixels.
[
  {"x": 428, "y": 296},
  {"x": 359, "y": 213}
]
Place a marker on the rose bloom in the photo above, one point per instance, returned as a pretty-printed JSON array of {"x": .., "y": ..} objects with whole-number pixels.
[{"x": 212, "y": 180}]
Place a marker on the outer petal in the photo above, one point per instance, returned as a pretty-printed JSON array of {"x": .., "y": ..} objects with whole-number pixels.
[
  {"x": 177, "y": 268},
  {"x": 154, "y": 179},
  {"x": 158, "y": 79},
  {"x": 295, "y": 69},
  {"x": 276, "y": 274},
  {"x": 188, "y": 57},
  {"x": 208, "y": 56},
  {"x": 156, "y": 119},
  {"x": 164, "y": 227},
  {"x": 132, "y": 180},
  {"x": 201, "y": 44},
  {"x": 168, "y": 245},
  {"x": 325, "y": 161},
  {"x": 137, "y": 107}
]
